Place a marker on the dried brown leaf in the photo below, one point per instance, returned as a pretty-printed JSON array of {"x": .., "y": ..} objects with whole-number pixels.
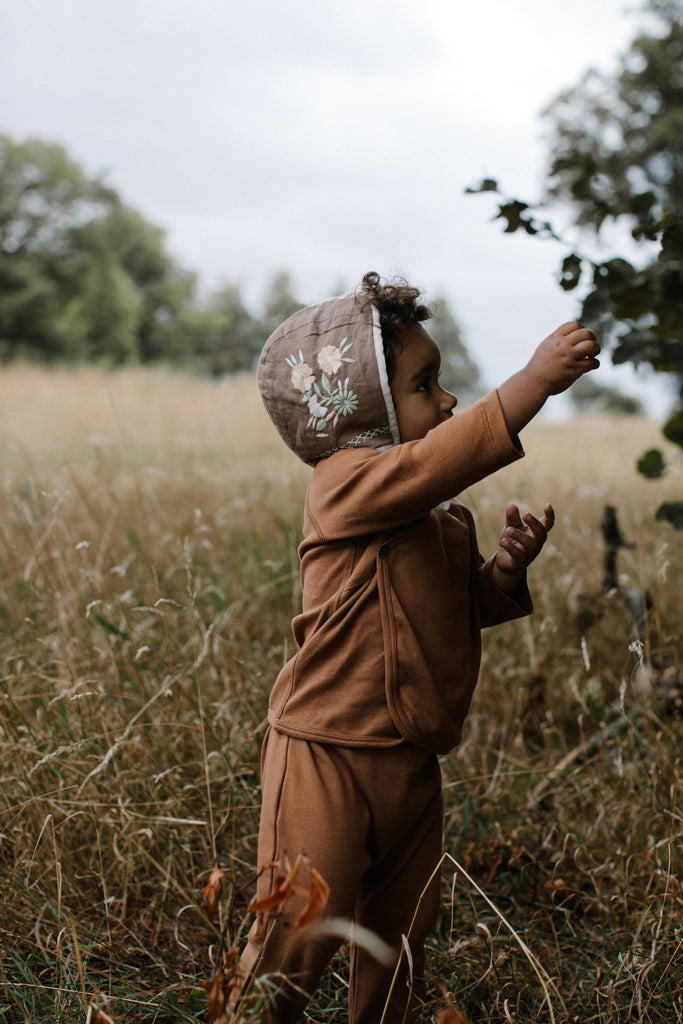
[
  {"x": 215, "y": 994},
  {"x": 452, "y": 1016},
  {"x": 317, "y": 897},
  {"x": 102, "y": 1018},
  {"x": 284, "y": 887},
  {"x": 448, "y": 1014},
  {"x": 211, "y": 892}
]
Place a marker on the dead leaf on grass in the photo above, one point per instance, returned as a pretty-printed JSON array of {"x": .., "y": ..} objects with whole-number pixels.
[
  {"x": 211, "y": 893},
  {"x": 285, "y": 886},
  {"x": 452, "y": 1016}
]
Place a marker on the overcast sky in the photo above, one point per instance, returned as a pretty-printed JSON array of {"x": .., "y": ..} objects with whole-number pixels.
[{"x": 326, "y": 137}]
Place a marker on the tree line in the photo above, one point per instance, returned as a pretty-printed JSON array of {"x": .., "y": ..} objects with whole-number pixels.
[{"x": 84, "y": 277}]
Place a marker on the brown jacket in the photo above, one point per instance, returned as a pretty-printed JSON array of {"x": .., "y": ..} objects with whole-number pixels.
[{"x": 394, "y": 591}]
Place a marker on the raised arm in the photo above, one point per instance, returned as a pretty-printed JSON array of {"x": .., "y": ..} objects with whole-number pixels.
[{"x": 559, "y": 361}]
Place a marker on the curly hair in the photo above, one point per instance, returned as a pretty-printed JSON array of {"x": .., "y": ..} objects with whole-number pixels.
[{"x": 398, "y": 308}]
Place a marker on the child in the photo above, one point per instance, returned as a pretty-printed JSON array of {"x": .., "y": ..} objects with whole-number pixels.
[{"x": 395, "y": 594}]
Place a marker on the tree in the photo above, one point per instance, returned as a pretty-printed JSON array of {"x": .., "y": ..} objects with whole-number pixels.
[
  {"x": 82, "y": 275},
  {"x": 617, "y": 156},
  {"x": 588, "y": 396},
  {"x": 279, "y": 303},
  {"x": 223, "y": 335},
  {"x": 616, "y": 143},
  {"x": 459, "y": 372},
  {"x": 146, "y": 289},
  {"x": 617, "y": 159},
  {"x": 44, "y": 195}
]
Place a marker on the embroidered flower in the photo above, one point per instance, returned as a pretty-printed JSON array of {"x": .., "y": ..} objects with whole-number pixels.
[
  {"x": 329, "y": 359},
  {"x": 329, "y": 399},
  {"x": 302, "y": 377},
  {"x": 344, "y": 400},
  {"x": 316, "y": 409}
]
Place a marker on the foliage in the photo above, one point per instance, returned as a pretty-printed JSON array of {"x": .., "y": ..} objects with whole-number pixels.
[
  {"x": 221, "y": 335},
  {"x": 617, "y": 159},
  {"x": 617, "y": 155},
  {"x": 86, "y": 278},
  {"x": 279, "y": 303},
  {"x": 644, "y": 303},
  {"x": 615, "y": 143},
  {"x": 82, "y": 276}
]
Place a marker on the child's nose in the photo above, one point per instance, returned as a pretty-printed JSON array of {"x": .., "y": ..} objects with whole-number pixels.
[{"x": 449, "y": 401}]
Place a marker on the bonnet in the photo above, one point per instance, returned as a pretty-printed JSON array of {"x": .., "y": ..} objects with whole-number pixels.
[{"x": 323, "y": 380}]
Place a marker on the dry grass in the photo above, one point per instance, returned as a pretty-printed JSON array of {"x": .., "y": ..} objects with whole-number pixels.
[{"x": 148, "y": 538}]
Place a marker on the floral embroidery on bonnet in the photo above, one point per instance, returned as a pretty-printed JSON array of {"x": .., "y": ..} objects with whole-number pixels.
[
  {"x": 323, "y": 381},
  {"x": 326, "y": 401}
]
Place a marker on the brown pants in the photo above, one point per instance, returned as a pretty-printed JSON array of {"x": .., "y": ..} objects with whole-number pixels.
[{"x": 370, "y": 822}]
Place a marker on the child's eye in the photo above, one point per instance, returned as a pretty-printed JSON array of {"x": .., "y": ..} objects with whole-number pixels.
[{"x": 424, "y": 385}]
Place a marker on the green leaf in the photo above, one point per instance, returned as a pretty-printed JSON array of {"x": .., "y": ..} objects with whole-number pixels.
[
  {"x": 512, "y": 213},
  {"x": 616, "y": 273},
  {"x": 651, "y": 464},
  {"x": 595, "y": 306},
  {"x": 636, "y": 346},
  {"x": 485, "y": 185},
  {"x": 570, "y": 274},
  {"x": 672, "y": 242},
  {"x": 673, "y": 428},
  {"x": 641, "y": 205},
  {"x": 671, "y": 512}
]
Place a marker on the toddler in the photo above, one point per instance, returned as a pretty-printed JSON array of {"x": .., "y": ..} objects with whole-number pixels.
[{"x": 395, "y": 594}]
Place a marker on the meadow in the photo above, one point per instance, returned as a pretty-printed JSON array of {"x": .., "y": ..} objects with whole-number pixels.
[{"x": 149, "y": 527}]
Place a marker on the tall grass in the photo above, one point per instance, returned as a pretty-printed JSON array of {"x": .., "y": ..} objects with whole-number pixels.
[{"x": 148, "y": 534}]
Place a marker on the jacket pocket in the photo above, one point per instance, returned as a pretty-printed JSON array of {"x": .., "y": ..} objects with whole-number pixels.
[{"x": 427, "y": 707}]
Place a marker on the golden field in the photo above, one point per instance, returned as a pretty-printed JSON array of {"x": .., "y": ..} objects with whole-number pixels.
[{"x": 148, "y": 529}]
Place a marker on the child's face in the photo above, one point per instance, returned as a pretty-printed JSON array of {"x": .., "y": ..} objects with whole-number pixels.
[{"x": 421, "y": 403}]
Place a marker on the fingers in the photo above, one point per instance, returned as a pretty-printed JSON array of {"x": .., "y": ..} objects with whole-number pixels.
[
  {"x": 541, "y": 527},
  {"x": 523, "y": 537},
  {"x": 513, "y": 518},
  {"x": 548, "y": 518},
  {"x": 588, "y": 364},
  {"x": 536, "y": 529},
  {"x": 582, "y": 340},
  {"x": 514, "y": 521},
  {"x": 574, "y": 327},
  {"x": 587, "y": 349}
]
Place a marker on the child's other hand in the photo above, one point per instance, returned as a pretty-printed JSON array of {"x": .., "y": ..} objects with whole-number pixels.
[
  {"x": 563, "y": 357},
  {"x": 520, "y": 542}
]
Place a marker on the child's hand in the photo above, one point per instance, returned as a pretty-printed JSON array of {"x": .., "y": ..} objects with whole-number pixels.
[
  {"x": 557, "y": 363},
  {"x": 520, "y": 542},
  {"x": 563, "y": 357}
]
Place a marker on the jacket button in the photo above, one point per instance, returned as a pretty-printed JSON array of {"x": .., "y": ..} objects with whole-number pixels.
[{"x": 383, "y": 551}]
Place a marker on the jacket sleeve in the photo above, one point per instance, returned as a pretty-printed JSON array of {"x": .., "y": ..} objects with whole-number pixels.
[
  {"x": 360, "y": 491},
  {"x": 495, "y": 606}
]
